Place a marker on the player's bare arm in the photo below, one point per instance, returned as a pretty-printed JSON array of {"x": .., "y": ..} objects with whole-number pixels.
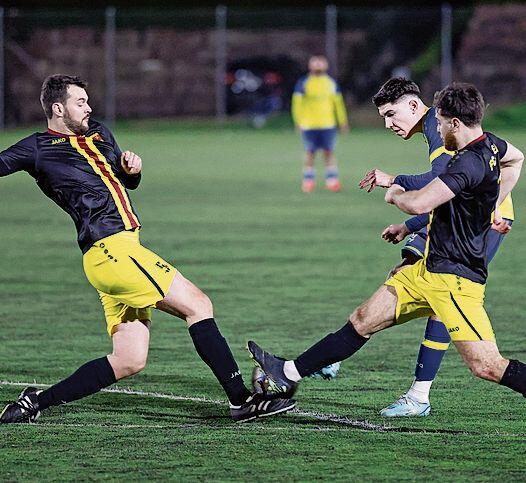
[
  {"x": 511, "y": 166},
  {"x": 131, "y": 163},
  {"x": 422, "y": 201}
]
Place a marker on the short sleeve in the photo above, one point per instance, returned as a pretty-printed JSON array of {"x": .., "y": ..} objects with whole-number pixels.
[
  {"x": 463, "y": 173},
  {"x": 502, "y": 145},
  {"x": 19, "y": 157},
  {"x": 299, "y": 88}
]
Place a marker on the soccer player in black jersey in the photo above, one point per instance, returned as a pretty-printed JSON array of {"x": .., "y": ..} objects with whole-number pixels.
[
  {"x": 405, "y": 114},
  {"x": 78, "y": 164},
  {"x": 450, "y": 280}
]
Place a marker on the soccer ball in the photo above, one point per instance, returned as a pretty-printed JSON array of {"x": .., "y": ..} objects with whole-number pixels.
[{"x": 260, "y": 382}]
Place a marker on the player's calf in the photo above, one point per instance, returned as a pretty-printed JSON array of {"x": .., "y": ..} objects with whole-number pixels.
[{"x": 485, "y": 361}]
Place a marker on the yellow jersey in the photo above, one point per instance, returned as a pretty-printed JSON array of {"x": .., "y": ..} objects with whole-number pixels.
[{"x": 317, "y": 103}]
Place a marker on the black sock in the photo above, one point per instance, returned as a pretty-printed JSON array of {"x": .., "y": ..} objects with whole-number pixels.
[
  {"x": 87, "y": 379},
  {"x": 515, "y": 377},
  {"x": 214, "y": 350},
  {"x": 334, "y": 347}
]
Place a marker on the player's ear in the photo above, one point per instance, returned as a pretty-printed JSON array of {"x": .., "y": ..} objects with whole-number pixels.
[
  {"x": 413, "y": 105},
  {"x": 455, "y": 123},
  {"x": 58, "y": 109}
]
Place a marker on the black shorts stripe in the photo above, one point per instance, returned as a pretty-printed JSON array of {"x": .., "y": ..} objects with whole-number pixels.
[
  {"x": 463, "y": 316},
  {"x": 150, "y": 278}
]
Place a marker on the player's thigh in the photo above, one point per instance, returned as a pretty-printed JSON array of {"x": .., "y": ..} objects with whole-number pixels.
[
  {"x": 309, "y": 138},
  {"x": 132, "y": 339},
  {"x": 130, "y": 348},
  {"x": 117, "y": 312},
  {"x": 327, "y": 140},
  {"x": 483, "y": 358},
  {"x": 122, "y": 268},
  {"x": 185, "y": 300},
  {"x": 411, "y": 301},
  {"x": 459, "y": 304},
  {"x": 376, "y": 313}
]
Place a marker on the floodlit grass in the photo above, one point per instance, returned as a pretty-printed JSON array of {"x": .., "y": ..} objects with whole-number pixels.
[{"x": 283, "y": 268}]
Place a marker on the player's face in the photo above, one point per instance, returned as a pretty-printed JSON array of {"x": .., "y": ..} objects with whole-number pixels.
[
  {"x": 400, "y": 116},
  {"x": 447, "y": 131},
  {"x": 318, "y": 65},
  {"x": 77, "y": 110}
]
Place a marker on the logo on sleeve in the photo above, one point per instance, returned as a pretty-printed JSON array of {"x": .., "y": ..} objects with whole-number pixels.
[{"x": 58, "y": 141}]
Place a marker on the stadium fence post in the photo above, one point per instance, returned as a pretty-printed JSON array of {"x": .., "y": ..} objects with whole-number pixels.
[
  {"x": 221, "y": 53},
  {"x": 446, "y": 61},
  {"x": 331, "y": 38},
  {"x": 109, "y": 60},
  {"x": 2, "y": 71}
]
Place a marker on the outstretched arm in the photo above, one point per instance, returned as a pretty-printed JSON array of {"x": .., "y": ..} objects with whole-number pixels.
[
  {"x": 422, "y": 201},
  {"x": 19, "y": 157},
  {"x": 377, "y": 177}
]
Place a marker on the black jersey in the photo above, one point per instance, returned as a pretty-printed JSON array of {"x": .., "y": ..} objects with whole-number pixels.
[
  {"x": 81, "y": 174},
  {"x": 459, "y": 229}
]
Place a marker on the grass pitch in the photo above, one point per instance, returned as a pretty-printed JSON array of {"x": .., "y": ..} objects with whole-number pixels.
[{"x": 283, "y": 268}]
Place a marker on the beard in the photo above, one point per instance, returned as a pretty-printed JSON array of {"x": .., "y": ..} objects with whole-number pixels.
[
  {"x": 450, "y": 143},
  {"x": 74, "y": 126}
]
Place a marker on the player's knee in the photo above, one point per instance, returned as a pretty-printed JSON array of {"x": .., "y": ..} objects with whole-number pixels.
[
  {"x": 131, "y": 364},
  {"x": 203, "y": 306},
  {"x": 358, "y": 319}
]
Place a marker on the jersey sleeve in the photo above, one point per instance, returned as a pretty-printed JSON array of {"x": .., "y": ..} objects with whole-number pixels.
[
  {"x": 339, "y": 107},
  {"x": 502, "y": 145},
  {"x": 297, "y": 101},
  {"x": 130, "y": 181},
  {"x": 417, "y": 222},
  {"x": 412, "y": 182},
  {"x": 439, "y": 157},
  {"x": 19, "y": 157},
  {"x": 463, "y": 173}
]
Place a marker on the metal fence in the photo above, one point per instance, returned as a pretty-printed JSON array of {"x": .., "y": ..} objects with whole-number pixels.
[{"x": 227, "y": 61}]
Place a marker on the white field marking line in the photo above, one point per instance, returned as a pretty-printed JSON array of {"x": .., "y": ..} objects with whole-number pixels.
[
  {"x": 178, "y": 426},
  {"x": 319, "y": 416},
  {"x": 343, "y": 420}
]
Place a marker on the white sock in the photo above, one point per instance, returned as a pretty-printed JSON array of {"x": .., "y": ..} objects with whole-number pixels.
[
  {"x": 419, "y": 391},
  {"x": 291, "y": 372}
]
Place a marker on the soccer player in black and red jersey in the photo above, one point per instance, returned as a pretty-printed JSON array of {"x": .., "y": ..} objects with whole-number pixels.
[
  {"x": 78, "y": 164},
  {"x": 450, "y": 280}
]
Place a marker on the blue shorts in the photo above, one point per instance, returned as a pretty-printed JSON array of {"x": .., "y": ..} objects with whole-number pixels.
[
  {"x": 314, "y": 139},
  {"x": 416, "y": 243}
]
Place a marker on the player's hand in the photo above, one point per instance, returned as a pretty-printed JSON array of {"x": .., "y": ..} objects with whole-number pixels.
[
  {"x": 344, "y": 128},
  {"x": 395, "y": 233},
  {"x": 393, "y": 190},
  {"x": 131, "y": 163},
  {"x": 499, "y": 224},
  {"x": 375, "y": 178}
]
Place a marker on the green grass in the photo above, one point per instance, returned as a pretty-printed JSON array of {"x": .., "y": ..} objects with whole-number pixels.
[{"x": 283, "y": 268}]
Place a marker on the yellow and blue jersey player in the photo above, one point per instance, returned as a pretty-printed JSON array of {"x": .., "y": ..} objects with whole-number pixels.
[{"x": 318, "y": 109}]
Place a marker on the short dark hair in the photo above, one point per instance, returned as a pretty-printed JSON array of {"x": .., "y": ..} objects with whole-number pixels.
[
  {"x": 394, "y": 89},
  {"x": 55, "y": 89},
  {"x": 461, "y": 100}
]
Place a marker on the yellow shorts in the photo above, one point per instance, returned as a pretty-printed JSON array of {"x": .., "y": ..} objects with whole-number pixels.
[
  {"x": 457, "y": 301},
  {"x": 130, "y": 279}
]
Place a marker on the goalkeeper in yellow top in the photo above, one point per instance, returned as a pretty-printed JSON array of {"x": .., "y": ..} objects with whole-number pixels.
[{"x": 317, "y": 110}]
